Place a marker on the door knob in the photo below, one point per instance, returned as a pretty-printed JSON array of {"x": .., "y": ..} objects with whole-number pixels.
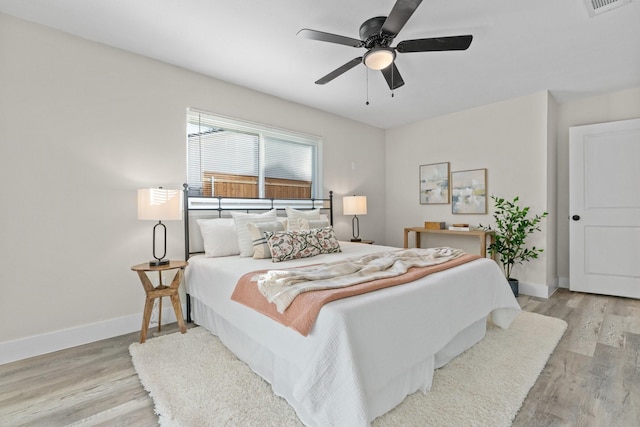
[{"x": 576, "y": 217}]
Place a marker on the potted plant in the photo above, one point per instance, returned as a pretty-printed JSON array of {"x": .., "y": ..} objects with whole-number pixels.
[{"x": 512, "y": 227}]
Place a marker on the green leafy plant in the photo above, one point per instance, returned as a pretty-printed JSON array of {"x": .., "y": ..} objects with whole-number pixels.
[{"x": 512, "y": 227}]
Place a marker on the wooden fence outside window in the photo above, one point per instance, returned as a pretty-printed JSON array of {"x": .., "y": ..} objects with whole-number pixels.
[{"x": 245, "y": 186}]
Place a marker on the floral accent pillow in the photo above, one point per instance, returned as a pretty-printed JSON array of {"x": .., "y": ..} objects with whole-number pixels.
[
  {"x": 285, "y": 245},
  {"x": 327, "y": 239}
]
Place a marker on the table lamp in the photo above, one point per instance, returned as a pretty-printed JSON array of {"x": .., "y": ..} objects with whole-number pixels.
[
  {"x": 355, "y": 205},
  {"x": 159, "y": 204}
]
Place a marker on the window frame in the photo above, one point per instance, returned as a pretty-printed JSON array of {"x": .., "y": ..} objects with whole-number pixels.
[{"x": 264, "y": 132}]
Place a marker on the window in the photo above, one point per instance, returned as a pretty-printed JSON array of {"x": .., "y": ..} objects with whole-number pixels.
[{"x": 231, "y": 158}]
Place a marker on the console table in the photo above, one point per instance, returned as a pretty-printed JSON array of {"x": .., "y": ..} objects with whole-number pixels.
[{"x": 481, "y": 235}]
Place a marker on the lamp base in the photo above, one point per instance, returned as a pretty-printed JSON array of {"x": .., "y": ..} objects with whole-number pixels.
[
  {"x": 356, "y": 240},
  {"x": 157, "y": 262}
]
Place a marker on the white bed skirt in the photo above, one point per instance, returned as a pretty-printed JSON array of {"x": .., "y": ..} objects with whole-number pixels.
[{"x": 273, "y": 369}]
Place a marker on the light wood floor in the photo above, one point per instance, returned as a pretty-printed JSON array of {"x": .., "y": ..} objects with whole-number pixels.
[{"x": 592, "y": 379}]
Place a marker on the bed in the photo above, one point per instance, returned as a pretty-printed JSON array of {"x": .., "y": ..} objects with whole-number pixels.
[{"x": 364, "y": 354}]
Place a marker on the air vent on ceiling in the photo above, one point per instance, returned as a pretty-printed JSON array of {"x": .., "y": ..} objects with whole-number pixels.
[{"x": 596, "y": 7}]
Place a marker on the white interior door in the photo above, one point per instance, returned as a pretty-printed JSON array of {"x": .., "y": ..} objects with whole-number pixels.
[{"x": 605, "y": 208}]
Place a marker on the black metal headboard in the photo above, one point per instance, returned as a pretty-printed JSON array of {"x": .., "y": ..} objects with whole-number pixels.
[{"x": 216, "y": 205}]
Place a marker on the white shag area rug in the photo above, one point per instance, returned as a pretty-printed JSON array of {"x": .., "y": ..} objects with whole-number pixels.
[{"x": 195, "y": 381}]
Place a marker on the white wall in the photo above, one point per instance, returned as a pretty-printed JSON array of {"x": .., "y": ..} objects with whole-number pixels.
[
  {"x": 615, "y": 106},
  {"x": 509, "y": 138},
  {"x": 82, "y": 127},
  {"x": 500, "y": 137}
]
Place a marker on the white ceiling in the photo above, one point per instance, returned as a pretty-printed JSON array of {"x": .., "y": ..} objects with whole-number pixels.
[{"x": 519, "y": 47}]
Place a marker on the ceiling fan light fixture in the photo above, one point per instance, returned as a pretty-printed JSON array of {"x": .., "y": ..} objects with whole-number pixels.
[{"x": 379, "y": 58}]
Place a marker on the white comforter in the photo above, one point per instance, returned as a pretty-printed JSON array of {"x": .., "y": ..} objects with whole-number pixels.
[{"x": 365, "y": 353}]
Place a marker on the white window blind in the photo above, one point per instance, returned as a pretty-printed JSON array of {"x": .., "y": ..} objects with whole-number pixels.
[
  {"x": 288, "y": 160},
  {"x": 226, "y": 146}
]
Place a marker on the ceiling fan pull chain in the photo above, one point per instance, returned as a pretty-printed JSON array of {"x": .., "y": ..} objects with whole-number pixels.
[
  {"x": 392, "y": 86},
  {"x": 367, "y": 81}
]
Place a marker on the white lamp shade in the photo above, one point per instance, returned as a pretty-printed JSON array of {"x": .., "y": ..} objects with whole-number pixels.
[
  {"x": 159, "y": 204},
  {"x": 354, "y": 205}
]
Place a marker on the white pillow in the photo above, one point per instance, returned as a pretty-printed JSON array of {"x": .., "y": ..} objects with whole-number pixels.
[
  {"x": 244, "y": 237},
  {"x": 219, "y": 237},
  {"x": 308, "y": 224},
  {"x": 293, "y": 215},
  {"x": 260, "y": 247}
]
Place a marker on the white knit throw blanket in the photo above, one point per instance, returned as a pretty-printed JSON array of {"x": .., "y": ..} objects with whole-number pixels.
[{"x": 282, "y": 286}]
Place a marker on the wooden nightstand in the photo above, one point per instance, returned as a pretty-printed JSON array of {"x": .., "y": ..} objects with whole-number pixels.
[
  {"x": 366, "y": 242},
  {"x": 160, "y": 291}
]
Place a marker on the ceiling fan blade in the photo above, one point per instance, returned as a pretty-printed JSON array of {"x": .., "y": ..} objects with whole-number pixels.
[
  {"x": 328, "y": 37},
  {"x": 435, "y": 44},
  {"x": 340, "y": 70},
  {"x": 392, "y": 76},
  {"x": 400, "y": 14}
]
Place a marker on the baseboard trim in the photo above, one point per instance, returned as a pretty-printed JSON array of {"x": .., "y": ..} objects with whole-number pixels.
[
  {"x": 539, "y": 290},
  {"x": 36, "y": 345},
  {"x": 564, "y": 282}
]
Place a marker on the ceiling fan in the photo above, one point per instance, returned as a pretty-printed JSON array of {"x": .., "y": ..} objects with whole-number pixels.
[{"x": 377, "y": 34}]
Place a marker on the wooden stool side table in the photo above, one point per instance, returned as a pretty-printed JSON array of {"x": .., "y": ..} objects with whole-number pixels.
[{"x": 160, "y": 291}]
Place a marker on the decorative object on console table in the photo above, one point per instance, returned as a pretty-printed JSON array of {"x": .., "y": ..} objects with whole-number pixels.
[
  {"x": 469, "y": 192},
  {"x": 434, "y": 184},
  {"x": 159, "y": 204},
  {"x": 355, "y": 205},
  {"x": 160, "y": 291},
  {"x": 512, "y": 226},
  {"x": 430, "y": 225},
  {"x": 459, "y": 227}
]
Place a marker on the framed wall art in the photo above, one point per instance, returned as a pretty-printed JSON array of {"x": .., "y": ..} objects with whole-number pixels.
[
  {"x": 434, "y": 183},
  {"x": 469, "y": 192}
]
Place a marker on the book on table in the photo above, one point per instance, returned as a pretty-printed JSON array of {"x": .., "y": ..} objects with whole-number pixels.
[{"x": 460, "y": 227}]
